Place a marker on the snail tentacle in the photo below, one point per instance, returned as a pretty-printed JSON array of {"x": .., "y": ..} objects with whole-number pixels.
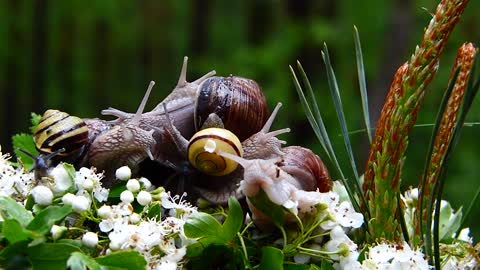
[{"x": 265, "y": 144}]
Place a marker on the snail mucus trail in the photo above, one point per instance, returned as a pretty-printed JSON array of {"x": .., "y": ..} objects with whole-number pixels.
[{"x": 152, "y": 143}]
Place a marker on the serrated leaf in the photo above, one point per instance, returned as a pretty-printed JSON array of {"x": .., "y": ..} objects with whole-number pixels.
[
  {"x": 272, "y": 258},
  {"x": 201, "y": 225},
  {"x": 234, "y": 221},
  {"x": 155, "y": 211},
  {"x": 10, "y": 209},
  {"x": 80, "y": 261},
  {"x": 34, "y": 120},
  {"x": 47, "y": 217},
  {"x": 70, "y": 170},
  {"x": 275, "y": 212},
  {"x": 123, "y": 260},
  {"x": 51, "y": 255},
  {"x": 25, "y": 142},
  {"x": 13, "y": 231}
]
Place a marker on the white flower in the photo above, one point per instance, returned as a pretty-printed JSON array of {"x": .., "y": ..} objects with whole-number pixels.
[
  {"x": 126, "y": 196},
  {"x": 105, "y": 211},
  {"x": 346, "y": 249},
  {"x": 42, "y": 195},
  {"x": 89, "y": 180},
  {"x": 146, "y": 183},
  {"x": 133, "y": 185},
  {"x": 166, "y": 265},
  {"x": 81, "y": 204},
  {"x": 181, "y": 209},
  {"x": 123, "y": 173},
  {"x": 68, "y": 199},
  {"x": 144, "y": 198},
  {"x": 464, "y": 236},
  {"x": 62, "y": 181},
  {"x": 347, "y": 217},
  {"x": 90, "y": 239},
  {"x": 57, "y": 231},
  {"x": 396, "y": 256}
]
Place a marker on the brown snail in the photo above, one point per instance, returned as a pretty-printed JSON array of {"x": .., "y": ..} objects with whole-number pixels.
[{"x": 226, "y": 103}]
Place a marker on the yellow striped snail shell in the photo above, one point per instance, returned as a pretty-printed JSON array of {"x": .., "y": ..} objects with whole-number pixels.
[
  {"x": 204, "y": 146},
  {"x": 57, "y": 130}
]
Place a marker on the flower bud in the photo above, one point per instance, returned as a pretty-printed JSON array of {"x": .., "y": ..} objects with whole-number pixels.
[
  {"x": 81, "y": 204},
  {"x": 144, "y": 198},
  {"x": 126, "y": 196},
  {"x": 90, "y": 239},
  {"x": 123, "y": 173},
  {"x": 134, "y": 218},
  {"x": 42, "y": 195},
  {"x": 133, "y": 185},
  {"x": 146, "y": 183},
  {"x": 57, "y": 231},
  {"x": 68, "y": 199},
  {"x": 105, "y": 212}
]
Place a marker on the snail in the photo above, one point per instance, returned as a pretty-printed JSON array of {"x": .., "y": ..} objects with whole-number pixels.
[
  {"x": 203, "y": 150},
  {"x": 129, "y": 139},
  {"x": 301, "y": 164},
  {"x": 285, "y": 180},
  {"x": 57, "y": 130},
  {"x": 216, "y": 114}
]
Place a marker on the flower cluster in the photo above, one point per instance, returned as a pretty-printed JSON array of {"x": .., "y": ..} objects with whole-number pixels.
[
  {"x": 14, "y": 182},
  {"x": 147, "y": 220}
]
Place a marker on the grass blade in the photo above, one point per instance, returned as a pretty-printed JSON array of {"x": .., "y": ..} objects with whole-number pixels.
[
  {"x": 332, "y": 81},
  {"x": 362, "y": 83},
  {"x": 309, "y": 114},
  {"x": 320, "y": 131},
  {"x": 422, "y": 187}
]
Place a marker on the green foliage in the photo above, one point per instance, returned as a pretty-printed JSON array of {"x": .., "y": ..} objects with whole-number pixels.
[{"x": 210, "y": 231}]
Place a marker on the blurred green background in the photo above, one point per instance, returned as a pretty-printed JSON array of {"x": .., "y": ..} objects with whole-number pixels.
[{"x": 82, "y": 58}]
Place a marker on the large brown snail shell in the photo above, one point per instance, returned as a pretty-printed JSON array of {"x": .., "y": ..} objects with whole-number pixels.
[{"x": 239, "y": 102}]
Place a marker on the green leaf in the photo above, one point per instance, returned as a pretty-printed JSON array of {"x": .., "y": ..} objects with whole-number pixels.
[
  {"x": 13, "y": 231},
  {"x": 234, "y": 221},
  {"x": 70, "y": 170},
  {"x": 155, "y": 211},
  {"x": 449, "y": 222},
  {"x": 123, "y": 260},
  {"x": 362, "y": 83},
  {"x": 34, "y": 120},
  {"x": 301, "y": 267},
  {"x": 25, "y": 142},
  {"x": 80, "y": 261},
  {"x": 200, "y": 225},
  {"x": 10, "y": 209},
  {"x": 51, "y": 255},
  {"x": 47, "y": 217},
  {"x": 263, "y": 203},
  {"x": 272, "y": 258},
  {"x": 116, "y": 191},
  {"x": 12, "y": 254}
]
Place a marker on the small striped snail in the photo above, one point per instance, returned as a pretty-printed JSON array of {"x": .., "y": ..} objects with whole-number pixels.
[
  {"x": 57, "y": 130},
  {"x": 204, "y": 146}
]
